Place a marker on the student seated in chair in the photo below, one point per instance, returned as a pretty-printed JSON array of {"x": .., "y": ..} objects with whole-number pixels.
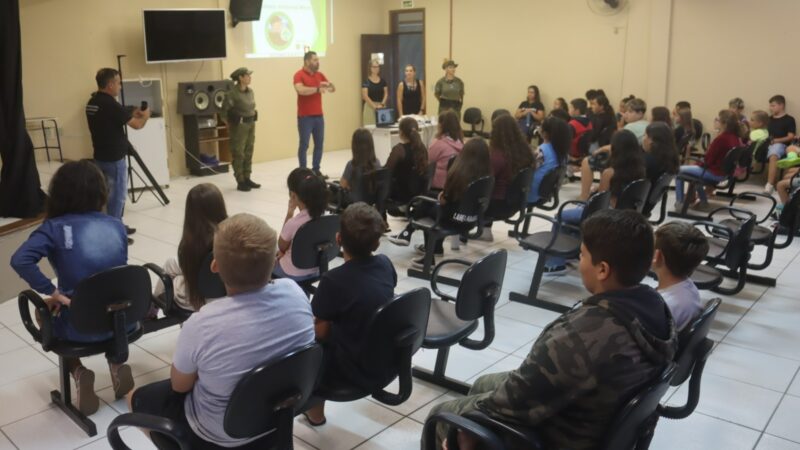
[
  {"x": 680, "y": 248},
  {"x": 782, "y": 129},
  {"x": 363, "y": 161},
  {"x": 309, "y": 197},
  {"x": 509, "y": 153},
  {"x": 408, "y": 163},
  {"x": 259, "y": 320},
  {"x": 349, "y": 295},
  {"x": 205, "y": 209},
  {"x": 79, "y": 240},
  {"x": 551, "y": 154},
  {"x": 587, "y": 363},
  {"x": 727, "y": 123}
]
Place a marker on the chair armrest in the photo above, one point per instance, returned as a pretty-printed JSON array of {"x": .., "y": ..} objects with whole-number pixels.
[
  {"x": 757, "y": 194},
  {"x": 43, "y": 335},
  {"x": 488, "y": 439},
  {"x": 418, "y": 200},
  {"x": 738, "y": 213},
  {"x": 404, "y": 343},
  {"x": 516, "y": 432},
  {"x": 717, "y": 230},
  {"x": 435, "y": 276},
  {"x": 569, "y": 202},
  {"x": 547, "y": 218},
  {"x": 169, "y": 289},
  {"x": 161, "y": 425}
]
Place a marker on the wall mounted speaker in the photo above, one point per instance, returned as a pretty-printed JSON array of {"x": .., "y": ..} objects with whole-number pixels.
[{"x": 202, "y": 97}]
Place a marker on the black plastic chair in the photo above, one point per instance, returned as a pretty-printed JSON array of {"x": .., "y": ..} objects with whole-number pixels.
[
  {"x": 371, "y": 188},
  {"x": 314, "y": 246},
  {"x": 564, "y": 240},
  {"x": 472, "y": 205},
  {"x": 474, "y": 118},
  {"x": 634, "y": 196},
  {"x": 729, "y": 165},
  {"x": 453, "y": 319},
  {"x": 397, "y": 208},
  {"x": 632, "y": 427},
  {"x": 209, "y": 285},
  {"x": 393, "y": 336},
  {"x": 760, "y": 149},
  {"x": 548, "y": 199},
  {"x": 694, "y": 348},
  {"x": 516, "y": 200},
  {"x": 265, "y": 399},
  {"x": 788, "y": 222},
  {"x": 113, "y": 301},
  {"x": 658, "y": 194},
  {"x": 728, "y": 254}
]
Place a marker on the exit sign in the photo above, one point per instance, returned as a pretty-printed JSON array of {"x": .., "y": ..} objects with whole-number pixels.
[{"x": 407, "y": 3}]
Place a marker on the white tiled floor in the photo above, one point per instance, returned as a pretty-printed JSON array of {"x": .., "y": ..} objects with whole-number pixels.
[{"x": 750, "y": 396}]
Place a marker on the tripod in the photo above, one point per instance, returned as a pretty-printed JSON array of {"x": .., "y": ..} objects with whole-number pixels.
[{"x": 153, "y": 187}]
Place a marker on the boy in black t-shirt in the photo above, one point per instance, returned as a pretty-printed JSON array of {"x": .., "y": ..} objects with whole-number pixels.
[
  {"x": 349, "y": 295},
  {"x": 782, "y": 129}
]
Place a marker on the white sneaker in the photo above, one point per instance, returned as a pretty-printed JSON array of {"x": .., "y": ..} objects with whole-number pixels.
[{"x": 769, "y": 189}]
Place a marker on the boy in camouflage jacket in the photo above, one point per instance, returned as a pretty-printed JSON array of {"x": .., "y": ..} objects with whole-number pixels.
[{"x": 587, "y": 363}]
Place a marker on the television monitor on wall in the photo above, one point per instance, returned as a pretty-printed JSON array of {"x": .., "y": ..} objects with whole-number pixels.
[{"x": 175, "y": 35}]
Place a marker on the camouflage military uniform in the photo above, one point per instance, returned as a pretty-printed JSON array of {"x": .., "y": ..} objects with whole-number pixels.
[
  {"x": 580, "y": 371},
  {"x": 240, "y": 114}
]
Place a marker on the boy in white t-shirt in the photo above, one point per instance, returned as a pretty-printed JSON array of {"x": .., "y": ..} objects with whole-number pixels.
[
  {"x": 258, "y": 321},
  {"x": 680, "y": 248}
]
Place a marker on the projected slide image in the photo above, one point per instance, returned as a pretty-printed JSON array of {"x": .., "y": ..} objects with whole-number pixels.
[{"x": 289, "y": 28}]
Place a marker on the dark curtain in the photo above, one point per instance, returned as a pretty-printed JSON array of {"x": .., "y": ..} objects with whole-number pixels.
[{"x": 20, "y": 193}]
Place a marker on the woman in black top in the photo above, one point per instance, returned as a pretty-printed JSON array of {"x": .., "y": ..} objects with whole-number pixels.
[
  {"x": 374, "y": 92},
  {"x": 604, "y": 123},
  {"x": 410, "y": 94},
  {"x": 661, "y": 155},
  {"x": 408, "y": 163},
  {"x": 530, "y": 112}
]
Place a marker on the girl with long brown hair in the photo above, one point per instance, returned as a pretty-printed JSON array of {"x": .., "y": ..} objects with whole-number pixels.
[{"x": 408, "y": 163}]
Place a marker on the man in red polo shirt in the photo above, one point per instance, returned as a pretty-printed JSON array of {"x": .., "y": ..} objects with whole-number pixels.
[{"x": 310, "y": 84}]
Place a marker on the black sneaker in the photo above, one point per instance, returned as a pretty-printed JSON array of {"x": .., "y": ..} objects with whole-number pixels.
[
  {"x": 130, "y": 241},
  {"x": 243, "y": 186},
  {"x": 421, "y": 250},
  {"x": 129, "y": 230},
  {"x": 320, "y": 174},
  {"x": 252, "y": 184},
  {"x": 400, "y": 239}
]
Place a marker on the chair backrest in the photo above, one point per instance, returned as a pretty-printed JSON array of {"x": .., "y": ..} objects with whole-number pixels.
[
  {"x": 476, "y": 199},
  {"x": 760, "y": 150},
  {"x": 397, "y": 327},
  {"x": 314, "y": 245},
  {"x": 481, "y": 285},
  {"x": 372, "y": 188},
  {"x": 737, "y": 251},
  {"x": 657, "y": 191},
  {"x": 597, "y": 202},
  {"x": 790, "y": 216},
  {"x": 632, "y": 422},
  {"x": 209, "y": 284},
  {"x": 122, "y": 291},
  {"x": 634, "y": 195},
  {"x": 431, "y": 171},
  {"x": 550, "y": 185},
  {"x": 690, "y": 339},
  {"x": 731, "y": 160},
  {"x": 517, "y": 192},
  {"x": 473, "y": 116},
  {"x": 267, "y": 397}
]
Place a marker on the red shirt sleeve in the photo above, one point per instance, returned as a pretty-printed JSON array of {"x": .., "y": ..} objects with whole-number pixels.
[{"x": 298, "y": 77}]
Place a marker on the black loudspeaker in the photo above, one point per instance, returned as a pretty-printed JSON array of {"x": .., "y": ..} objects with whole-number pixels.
[
  {"x": 202, "y": 97},
  {"x": 245, "y": 11}
]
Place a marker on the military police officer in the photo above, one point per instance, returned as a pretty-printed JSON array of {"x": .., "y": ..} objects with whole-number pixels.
[{"x": 240, "y": 114}]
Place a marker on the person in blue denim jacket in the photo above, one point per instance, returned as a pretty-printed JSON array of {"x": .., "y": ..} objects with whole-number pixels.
[{"x": 79, "y": 240}]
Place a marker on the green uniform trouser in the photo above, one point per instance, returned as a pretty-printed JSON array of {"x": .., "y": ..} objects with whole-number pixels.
[
  {"x": 243, "y": 136},
  {"x": 483, "y": 387}
]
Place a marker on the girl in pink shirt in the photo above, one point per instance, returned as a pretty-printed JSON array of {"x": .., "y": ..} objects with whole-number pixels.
[{"x": 308, "y": 195}]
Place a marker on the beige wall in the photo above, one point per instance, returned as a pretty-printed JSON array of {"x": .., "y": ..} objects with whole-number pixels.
[
  {"x": 717, "y": 54},
  {"x": 65, "y": 42},
  {"x": 662, "y": 50}
]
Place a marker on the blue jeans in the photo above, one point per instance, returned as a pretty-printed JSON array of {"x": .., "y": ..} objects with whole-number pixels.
[
  {"x": 307, "y": 126},
  {"x": 116, "y": 173},
  {"x": 695, "y": 171},
  {"x": 569, "y": 217}
]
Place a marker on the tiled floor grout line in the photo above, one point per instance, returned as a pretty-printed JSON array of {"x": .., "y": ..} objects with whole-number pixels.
[
  {"x": 9, "y": 439},
  {"x": 785, "y": 393}
]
